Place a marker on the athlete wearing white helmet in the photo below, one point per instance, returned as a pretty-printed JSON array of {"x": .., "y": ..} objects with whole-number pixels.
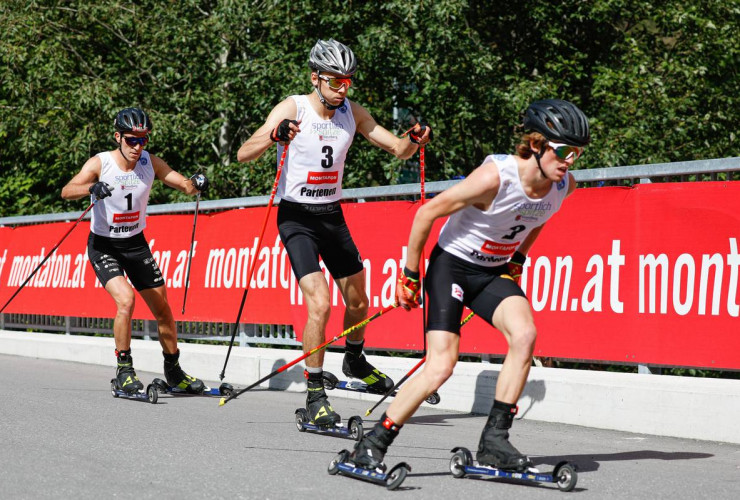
[
  {"x": 320, "y": 127},
  {"x": 495, "y": 215}
]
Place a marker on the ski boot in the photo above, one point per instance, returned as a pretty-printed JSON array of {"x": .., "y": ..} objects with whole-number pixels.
[
  {"x": 494, "y": 449},
  {"x": 128, "y": 382},
  {"x": 370, "y": 451},
  {"x": 319, "y": 410},
  {"x": 355, "y": 365},
  {"x": 177, "y": 378}
]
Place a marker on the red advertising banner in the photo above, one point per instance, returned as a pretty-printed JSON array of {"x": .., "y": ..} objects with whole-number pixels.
[{"x": 647, "y": 274}]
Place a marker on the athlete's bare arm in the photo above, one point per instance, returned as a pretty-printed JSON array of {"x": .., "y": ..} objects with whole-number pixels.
[
  {"x": 260, "y": 140},
  {"x": 79, "y": 186},
  {"x": 399, "y": 147},
  {"x": 170, "y": 177},
  {"x": 478, "y": 189}
]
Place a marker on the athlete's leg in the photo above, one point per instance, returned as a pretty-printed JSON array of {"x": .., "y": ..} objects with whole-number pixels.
[
  {"x": 513, "y": 317},
  {"x": 352, "y": 289},
  {"x": 442, "y": 351},
  {"x": 123, "y": 296},
  {"x": 316, "y": 296},
  {"x": 156, "y": 300}
]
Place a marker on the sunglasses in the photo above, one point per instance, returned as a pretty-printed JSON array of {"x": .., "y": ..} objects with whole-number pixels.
[
  {"x": 565, "y": 152},
  {"x": 336, "y": 83},
  {"x": 136, "y": 141}
]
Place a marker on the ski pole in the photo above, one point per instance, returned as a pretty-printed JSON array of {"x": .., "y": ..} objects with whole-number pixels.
[
  {"x": 235, "y": 326},
  {"x": 190, "y": 255},
  {"x": 48, "y": 255},
  {"x": 307, "y": 354},
  {"x": 411, "y": 372}
]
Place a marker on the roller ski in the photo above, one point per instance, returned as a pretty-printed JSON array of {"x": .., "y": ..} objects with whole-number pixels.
[
  {"x": 332, "y": 382},
  {"x": 497, "y": 457},
  {"x": 366, "y": 460},
  {"x": 462, "y": 464},
  {"x": 164, "y": 388},
  {"x": 126, "y": 384},
  {"x": 319, "y": 417}
]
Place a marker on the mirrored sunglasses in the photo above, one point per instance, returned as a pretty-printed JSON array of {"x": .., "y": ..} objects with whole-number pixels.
[
  {"x": 136, "y": 141},
  {"x": 336, "y": 83},
  {"x": 566, "y": 152}
]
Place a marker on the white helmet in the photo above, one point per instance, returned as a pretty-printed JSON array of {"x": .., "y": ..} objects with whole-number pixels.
[{"x": 333, "y": 57}]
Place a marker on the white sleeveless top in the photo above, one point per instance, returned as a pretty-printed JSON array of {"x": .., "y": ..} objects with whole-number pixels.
[
  {"x": 123, "y": 214},
  {"x": 489, "y": 238},
  {"x": 314, "y": 165}
]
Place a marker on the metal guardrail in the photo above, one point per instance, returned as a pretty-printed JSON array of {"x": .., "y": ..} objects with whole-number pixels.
[{"x": 256, "y": 334}]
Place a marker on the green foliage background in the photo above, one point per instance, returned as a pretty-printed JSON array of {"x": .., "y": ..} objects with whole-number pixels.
[{"x": 659, "y": 80}]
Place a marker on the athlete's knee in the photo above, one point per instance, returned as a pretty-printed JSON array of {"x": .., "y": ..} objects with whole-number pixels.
[
  {"x": 358, "y": 305},
  {"x": 125, "y": 303},
  {"x": 437, "y": 373},
  {"x": 523, "y": 339},
  {"x": 319, "y": 310}
]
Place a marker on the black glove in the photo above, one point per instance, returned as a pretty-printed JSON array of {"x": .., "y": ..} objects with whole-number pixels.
[
  {"x": 282, "y": 131},
  {"x": 418, "y": 131},
  {"x": 100, "y": 190},
  {"x": 200, "y": 182}
]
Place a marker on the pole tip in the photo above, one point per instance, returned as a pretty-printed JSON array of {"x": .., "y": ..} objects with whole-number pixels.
[
  {"x": 368, "y": 412},
  {"x": 222, "y": 402}
]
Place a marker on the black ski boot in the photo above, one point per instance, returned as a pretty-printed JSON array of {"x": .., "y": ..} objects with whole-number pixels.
[
  {"x": 355, "y": 365},
  {"x": 125, "y": 374},
  {"x": 494, "y": 448},
  {"x": 176, "y": 377},
  {"x": 370, "y": 451},
  {"x": 319, "y": 410}
]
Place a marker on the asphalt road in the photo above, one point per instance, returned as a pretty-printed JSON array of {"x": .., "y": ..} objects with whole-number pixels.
[{"x": 62, "y": 435}]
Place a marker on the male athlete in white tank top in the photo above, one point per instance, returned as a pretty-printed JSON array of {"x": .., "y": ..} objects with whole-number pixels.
[
  {"x": 496, "y": 214},
  {"x": 318, "y": 129},
  {"x": 119, "y": 183}
]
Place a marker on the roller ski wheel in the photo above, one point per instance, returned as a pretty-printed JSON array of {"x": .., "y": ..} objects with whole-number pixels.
[
  {"x": 353, "y": 430},
  {"x": 392, "y": 479},
  {"x": 332, "y": 382},
  {"x": 462, "y": 464},
  {"x": 164, "y": 388},
  {"x": 149, "y": 395}
]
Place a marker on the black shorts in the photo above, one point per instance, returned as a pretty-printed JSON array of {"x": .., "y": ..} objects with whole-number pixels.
[
  {"x": 309, "y": 231},
  {"x": 452, "y": 283},
  {"x": 111, "y": 257}
]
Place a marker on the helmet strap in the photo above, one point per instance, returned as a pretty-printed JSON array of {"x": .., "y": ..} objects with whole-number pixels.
[
  {"x": 537, "y": 157},
  {"x": 323, "y": 99},
  {"x": 120, "y": 146}
]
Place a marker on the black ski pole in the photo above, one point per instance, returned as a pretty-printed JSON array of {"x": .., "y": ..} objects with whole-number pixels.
[
  {"x": 190, "y": 255},
  {"x": 47, "y": 256}
]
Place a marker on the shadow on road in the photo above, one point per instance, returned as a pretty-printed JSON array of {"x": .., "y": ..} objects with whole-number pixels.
[{"x": 589, "y": 463}]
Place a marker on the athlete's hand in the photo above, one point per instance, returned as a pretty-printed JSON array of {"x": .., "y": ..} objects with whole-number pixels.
[
  {"x": 421, "y": 133},
  {"x": 515, "y": 265},
  {"x": 285, "y": 131},
  {"x": 200, "y": 182},
  {"x": 100, "y": 190},
  {"x": 407, "y": 289}
]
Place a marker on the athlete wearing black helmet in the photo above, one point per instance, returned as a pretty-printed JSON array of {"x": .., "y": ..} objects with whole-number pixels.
[
  {"x": 119, "y": 182},
  {"x": 320, "y": 127},
  {"x": 495, "y": 215}
]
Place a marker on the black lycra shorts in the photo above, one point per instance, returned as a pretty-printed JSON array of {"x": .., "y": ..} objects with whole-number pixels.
[
  {"x": 452, "y": 283},
  {"x": 309, "y": 231},
  {"x": 111, "y": 257}
]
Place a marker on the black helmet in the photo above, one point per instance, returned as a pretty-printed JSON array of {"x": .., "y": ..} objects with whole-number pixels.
[
  {"x": 333, "y": 57},
  {"x": 558, "y": 121},
  {"x": 132, "y": 120}
]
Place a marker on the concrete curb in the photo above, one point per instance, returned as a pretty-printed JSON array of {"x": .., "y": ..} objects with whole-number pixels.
[{"x": 684, "y": 407}]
